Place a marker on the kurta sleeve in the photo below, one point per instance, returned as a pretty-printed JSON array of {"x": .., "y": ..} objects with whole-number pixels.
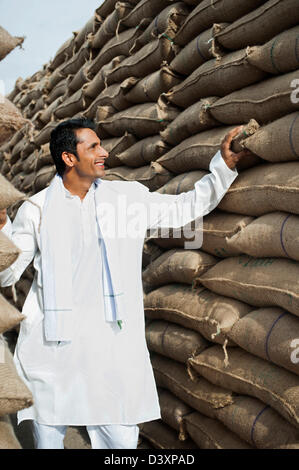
[
  {"x": 22, "y": 233},
  {"x": 175, "y": 211}
]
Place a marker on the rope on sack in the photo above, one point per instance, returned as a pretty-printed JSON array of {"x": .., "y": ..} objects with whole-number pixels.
[{"x": 225, "y": 361}]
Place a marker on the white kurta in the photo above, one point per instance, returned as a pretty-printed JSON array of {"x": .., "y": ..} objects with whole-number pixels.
[{"x": 104, "y": 375}]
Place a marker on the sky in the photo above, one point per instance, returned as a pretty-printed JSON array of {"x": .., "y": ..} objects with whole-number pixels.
[{"x": 46, "y": 25}]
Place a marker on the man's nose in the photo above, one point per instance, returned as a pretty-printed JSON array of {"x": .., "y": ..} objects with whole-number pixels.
[{"x": 103, "y": 152}]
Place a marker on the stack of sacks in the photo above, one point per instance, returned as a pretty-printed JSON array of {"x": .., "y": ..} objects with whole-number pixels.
[{"x": 14, "y": 394}]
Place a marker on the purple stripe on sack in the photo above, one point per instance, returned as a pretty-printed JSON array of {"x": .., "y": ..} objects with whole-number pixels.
[
  {"x": 291, "y": 139},
  {"x": 281, "y": 231},
  {"x": 269, "y": 333},
  {"x": 254, "y": 423}
]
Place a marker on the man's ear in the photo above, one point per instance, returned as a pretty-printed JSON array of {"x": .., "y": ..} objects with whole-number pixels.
[{"x": 69, "y": 159}]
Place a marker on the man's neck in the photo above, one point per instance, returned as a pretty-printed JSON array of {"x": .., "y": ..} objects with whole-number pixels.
[{"x": 77, "y": 187}]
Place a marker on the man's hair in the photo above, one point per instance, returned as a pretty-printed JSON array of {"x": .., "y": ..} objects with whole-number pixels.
[{"x": 64, "y": 139}]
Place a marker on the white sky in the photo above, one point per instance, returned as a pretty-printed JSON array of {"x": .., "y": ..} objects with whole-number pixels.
[{"x": 46, "y": 25}]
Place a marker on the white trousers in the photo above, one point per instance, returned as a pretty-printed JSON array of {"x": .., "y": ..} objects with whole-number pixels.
[{"x": 112, "y": 436}]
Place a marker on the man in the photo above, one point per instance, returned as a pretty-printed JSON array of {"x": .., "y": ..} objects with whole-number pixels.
[{"x": 81, "y": 349}]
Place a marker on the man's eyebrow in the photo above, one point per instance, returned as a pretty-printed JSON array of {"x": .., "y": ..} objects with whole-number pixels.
[{"x": 93, "y": 145}]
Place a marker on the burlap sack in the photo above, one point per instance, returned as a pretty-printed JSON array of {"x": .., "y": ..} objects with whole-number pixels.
[
  {"x": 72, "y": 66},
  {"x": 257, "y": 423},
  {"x": 277, "y": 141},
  {"x": 269, "y": 333},
  {"x": 162, "y": 436},
  {"x": 198, "y": 309},
  {"x": 9, "y": 315},
  {"x": 100, "y": 114},
  {"x": 16, "y": 168},
  {"x": 207, "y": 13},
  {"x": 98, "y": 83},
  {"x": 191, "y": 121},
  {"x": 64, "y": 53},
  {"x": 116, "y": 146},
  {"x": 143, "y": 152},
  {"x": 231, "y": 72},
  {"x": 173, "y": 341},
  {"x": 265, "y": 188},
  {"x": 145, "y": 61},
  {"x": 144, "y": 9},
  {"x": 46, "y": 115},
  {"x": 111, "y": 24},
  {"x": 72, "y": 105},
  {"x": 197, "y": 51},
  {"x": 80, "y": 78},
  {"x": 10, "y": 120},
  {"x": 269, "y": 235},
  {"x": 199, "y": 394},
  {"x": 279, "y": 55},
  {"x": 141, "y": 120},
  {"x": 59, "y": 90},
  {"x": 265, "y": 101},
  {"x": 43, "y": 177},
  {"x": 210, "y": 434},
  {"x": 8, "y": 42},
  {"x": 8, "y": 194},
  {"x": 151, "y": 87},
  {"x": 14, "y": 394},
  {"x": 150, "y": 252},
  {"x": 43, "y": 137},
  {"x": 107, "y": 7},
  {"x": 249, "y": 375},
  {"x": 16, "y": 151},
  {"x": 118, "y": 45},
  {"x": 8, "y": 439},
  {"x": 173, "y": 411},
  {"x": 115, "y": 95},
  {"x": 43, "y": 157},
  {"x": 261, "y": 282},
  {"x": 260, "y": 25},
  {"x": 197, "y": 151},
  {"x": 178, "y": 265},
  {"x": 168, "y": 21},
  {"x": 153, "y": 176},
  {"x": 16, "y": 181},
  {"x": 91, "y": 27},
  {"x": 30, "y": 162}
]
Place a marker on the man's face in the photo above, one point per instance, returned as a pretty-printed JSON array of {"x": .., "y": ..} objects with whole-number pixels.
[{"x": 91, "y": 154}]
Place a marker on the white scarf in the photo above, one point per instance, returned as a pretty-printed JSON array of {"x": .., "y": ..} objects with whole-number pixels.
[{"x": 57, "y": 265}]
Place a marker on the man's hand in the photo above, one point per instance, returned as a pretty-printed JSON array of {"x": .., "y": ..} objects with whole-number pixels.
[
  {"x": 231, "y": 158},
  {"x": 3, "y": 218}
]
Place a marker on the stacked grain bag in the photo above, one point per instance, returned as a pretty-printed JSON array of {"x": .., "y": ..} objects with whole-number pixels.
[{"x": 165, "y": 81}]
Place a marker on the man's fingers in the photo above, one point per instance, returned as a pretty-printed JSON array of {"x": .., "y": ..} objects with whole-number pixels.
[{"x": 230, "y": 135}]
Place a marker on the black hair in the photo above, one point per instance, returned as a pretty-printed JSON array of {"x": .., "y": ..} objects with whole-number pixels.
[{"x": 64, "y": 139}]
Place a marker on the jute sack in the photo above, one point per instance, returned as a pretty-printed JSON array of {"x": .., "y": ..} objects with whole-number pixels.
[
  {"x": 59, "y": 90},
  {"x": 72, "y": 66},
  {"x": 265, "y": 101},
  {"x": 153, "y": 176},
  {"x": 14, "y": 394},
  {"x": 200, "y": 394},
  {"x": 247, "y": 374},
  {"x": 196, "y": 118},
  {"x": 100, "y": 114},
  {"x": 143, "y": 152},
  {"x": 10, "y": 120},
  {"x": 167, "y": 21},
  {"x": 277, "y": 141},
  {"x": 43, "y": 157},
  {"x": 262, "y": 189},
  {"x": 43, "y": 177},
  {"x": 16, "y": 168},
  {"x": 216, "y": 77},
  {"x": 8, "y": 42},
  {"x": 145, "y": 9},
  {"x": 72, "y": 105},
  {"x": 178, "y": 265},
  {"x": 197, "y": 51},
  {"x": 8, "y": 439},
  {"x": 30, "y": 162},
  {"x": 269, "y": 235},
  {"x": 16, "y": 181},
  {"x": 116, "y": 146},
  {"x": 55, "y": 78},
  {"x": 269, "y": 333},
  {"x": 46, "y": 115},
  {"x": 80, "y": 78},
  {"x": 279, "y": 55},
  {"x": 64, "y": 53},
  {"x": 98, "y": 83},
  {"x": 141, "y": 120},
  {"x": 111, "y": 24},
  {"x": 9, "y": 315},
  {"x": 260, "y": 25},
  {"x": 198, "y": 309},
  {"x": 261, "y": 282},
  {"x": 257, "y": 423},
  {"x": 91, "y": 27},
  {"x": 162, "y": 436},
  {"x": 118, "y": 45},
  {"x": 173, "y": 411},
  {"x": 115, "y": 95},
  {"x": 207, "y": 13},
  {"x": 145, "y": 61},
  {"x": 197, "y": 151},
  {"x": 151, "y": 87},
  {"x": 43, "y": 137},
  {"x": 210, "y": 434},
  {"x": 173, "y": 341},
  {"x": 108, "y": 6},
  {"x": 8, "y": 194},
  {"x": 150, "y": 252}
]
